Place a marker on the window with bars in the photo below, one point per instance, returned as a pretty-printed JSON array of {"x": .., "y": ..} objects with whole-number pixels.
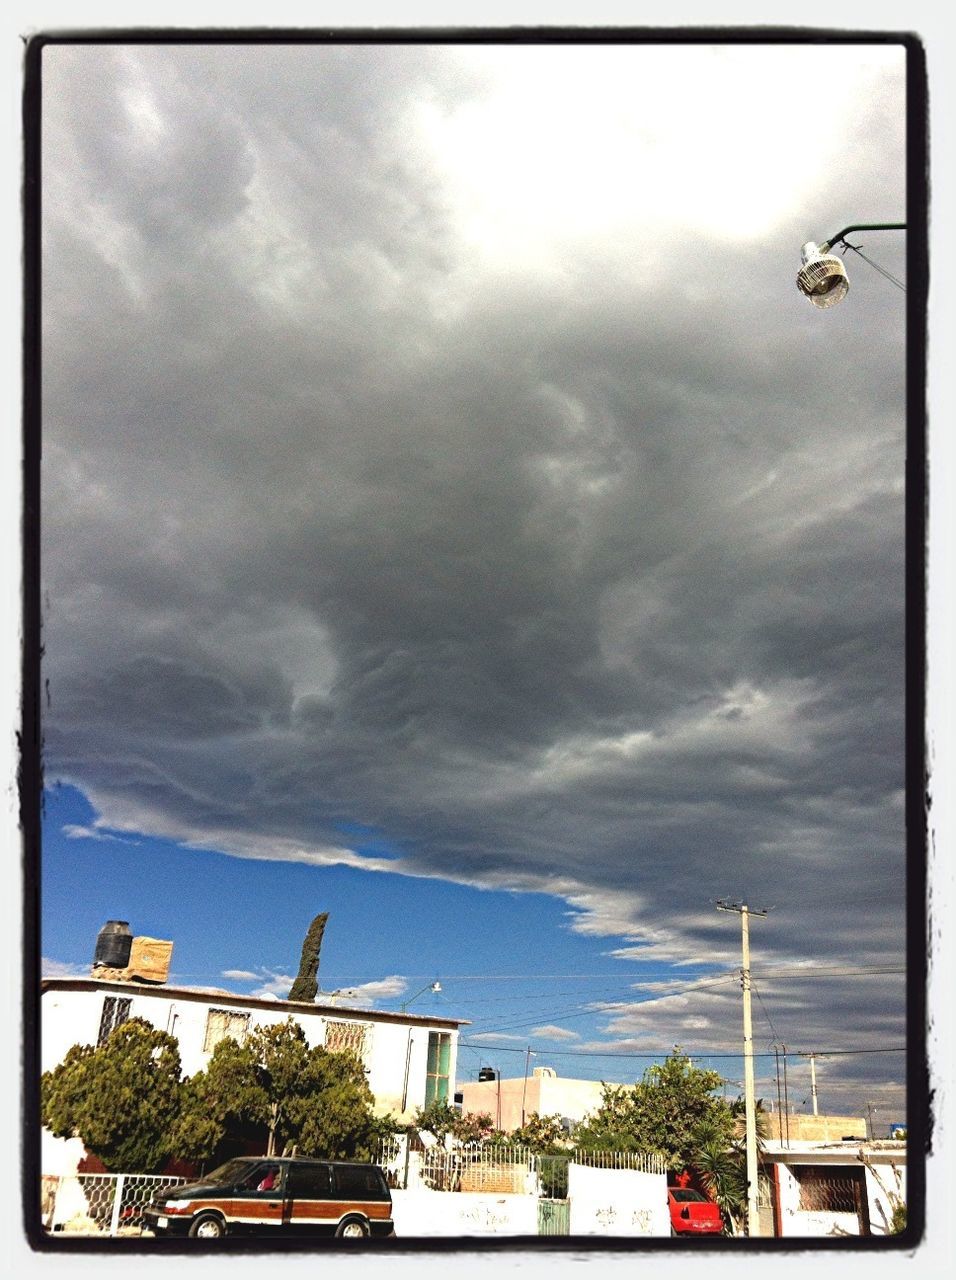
[
  {"x": 115, "y": 1013},
  {"x": 347, "y": 1037},
  {"x": 224, "y": 1024},
  {"x": 821, "y": 1191},
  {"x": 438, "y": 1067}
]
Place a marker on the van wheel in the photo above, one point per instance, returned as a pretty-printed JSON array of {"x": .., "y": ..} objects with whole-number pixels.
[
  {"x": 353, "y": 1229},
  {"x": 208, "y": 1226}
]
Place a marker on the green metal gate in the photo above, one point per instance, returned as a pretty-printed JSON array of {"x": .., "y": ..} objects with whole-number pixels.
[{"x": 554, "y": 1217}]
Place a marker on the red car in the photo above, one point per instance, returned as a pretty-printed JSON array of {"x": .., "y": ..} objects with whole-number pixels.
[{"x": 692, "y": 1214}]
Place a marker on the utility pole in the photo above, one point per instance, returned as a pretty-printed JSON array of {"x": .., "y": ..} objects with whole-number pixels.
[
  {"x": 786, "y": 1093},
  {"x": 813, "y": 1080},
  {"x": 524, "y": 1087},
  {"x": 753, "y": 1210},
  {"x": 776, "y": 1058},
  {"x": 869, "y": 1117}
]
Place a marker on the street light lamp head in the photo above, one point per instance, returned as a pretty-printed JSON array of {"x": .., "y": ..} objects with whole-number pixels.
[{"x": 822, "y": 278}]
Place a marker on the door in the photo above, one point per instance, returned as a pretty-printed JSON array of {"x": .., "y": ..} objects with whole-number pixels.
[
  {"x": 309, "y": 1206},
  {"x": 256, "y": 1200},
  {"x": 554, "y": 1217}
]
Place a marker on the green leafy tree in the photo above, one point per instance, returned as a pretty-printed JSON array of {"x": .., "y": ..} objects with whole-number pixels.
[
  {"x": 121, "y": 1098},
  {"x": 276, "y": 1090},
  {"x": 544, "y": 1135},
  {"x": 671, "y": 1111},
  {"x": 440, "y": 1120},
  {"x": 222, "y": 1107}
]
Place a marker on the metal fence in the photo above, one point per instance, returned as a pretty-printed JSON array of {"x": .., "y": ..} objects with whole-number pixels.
[
  {"x": 501, "y": 1168},
  {"x": 640, "y": 1161},
  {"x": 109, "y": 1204}
]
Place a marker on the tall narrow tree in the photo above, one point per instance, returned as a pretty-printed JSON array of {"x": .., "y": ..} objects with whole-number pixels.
[{"x": 306, "y": 985}]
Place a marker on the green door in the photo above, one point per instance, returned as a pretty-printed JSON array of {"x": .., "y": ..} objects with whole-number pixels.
[{"x": 554, "y": 1217}]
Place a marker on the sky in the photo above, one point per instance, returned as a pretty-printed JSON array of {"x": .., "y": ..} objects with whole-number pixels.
[{"x": 455, "y": 519}]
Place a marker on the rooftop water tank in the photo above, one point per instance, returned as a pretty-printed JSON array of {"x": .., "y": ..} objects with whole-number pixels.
[{"x": 113, "y": 943}]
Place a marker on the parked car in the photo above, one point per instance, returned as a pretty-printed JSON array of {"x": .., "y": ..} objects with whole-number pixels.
[
  {"x": 692, "y": 1214},
  {"x": 276, "y": 1197}
]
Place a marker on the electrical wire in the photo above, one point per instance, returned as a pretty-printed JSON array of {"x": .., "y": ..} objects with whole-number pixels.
[
  {"x": 700, "y": 1055},
  {"x": 765, "y": 1010},
  {"x": 597, "y": 1008},
  {"x": 875, "y": 265}
]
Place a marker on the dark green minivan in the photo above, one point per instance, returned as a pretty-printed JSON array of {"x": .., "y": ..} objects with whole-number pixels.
[{"x": 277, "y": 1196}]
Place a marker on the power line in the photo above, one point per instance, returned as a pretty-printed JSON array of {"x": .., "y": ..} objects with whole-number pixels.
[
  {"x": 597, "y": 1008},
  {"x": 699, "y": 1054},
  {"x": 765, "y": 1011},
  {"x": 875, "y": 265}
]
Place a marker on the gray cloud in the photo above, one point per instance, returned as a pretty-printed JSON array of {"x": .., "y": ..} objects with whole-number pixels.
[{"x": 583, "y": 577}]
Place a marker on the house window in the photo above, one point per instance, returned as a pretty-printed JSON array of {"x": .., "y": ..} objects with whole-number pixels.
[
  {"x": 224, "y": 1024},
  {"x": 347, "y": 1037},
  {"x": 115, "y": 1013},
  {"x": 824, "y": 1190},
  {"x": 437, "y": 1070}
]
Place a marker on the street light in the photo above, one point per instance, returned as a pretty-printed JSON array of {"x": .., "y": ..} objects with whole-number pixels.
[
  {"x": 822, "y": 279},
  {"x": 431, "y": 986}
]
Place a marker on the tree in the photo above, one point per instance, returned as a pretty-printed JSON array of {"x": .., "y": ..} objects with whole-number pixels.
[
  {"x": 543, "y": 1135},
  {"x": 306, "y": 985},
  {"x": 722, "y": 1170},
  {"x": 278, "y": 1091},
  {"x": 121, "y": 1098},
  {"x": 223, "y": 1107},
  {"x": 671, "y": 1111},
  {"x": 441, "y": 1120}
]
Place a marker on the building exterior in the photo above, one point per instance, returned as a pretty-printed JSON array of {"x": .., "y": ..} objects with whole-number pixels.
[
  {"x": 510, "y": 1102},
  {"x": 409, "y": 1060},
  {"x": 798, "y": 1127},
  {"x": 835, "y": 1189}
]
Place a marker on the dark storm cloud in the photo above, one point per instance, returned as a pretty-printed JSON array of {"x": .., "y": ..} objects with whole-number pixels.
[{"x": 586, "y": 579}]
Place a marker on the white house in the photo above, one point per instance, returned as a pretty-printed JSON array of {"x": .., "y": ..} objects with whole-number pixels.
[
  {"x": 410, "y": 1059},
  {"x": 846, "y": 1188}
]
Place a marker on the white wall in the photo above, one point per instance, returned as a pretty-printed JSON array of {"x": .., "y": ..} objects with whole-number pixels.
[
  {"x": 617, "y": 1202},
  {"x": 803, "y": 1223},
  {"x": 883, "y": 1181},
  {"x": 462, "y": 1213}
]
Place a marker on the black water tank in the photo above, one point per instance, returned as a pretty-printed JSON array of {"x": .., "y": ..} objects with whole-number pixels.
[
  {"x": 113, "y": 943},
  {"x": 486, "y": 1073}
]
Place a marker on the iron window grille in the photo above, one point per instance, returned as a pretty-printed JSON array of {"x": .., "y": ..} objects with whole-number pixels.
[
  {"x": 224, "y": 1024},
  {"x": 115, "y": 1013},
  {"x": 347, "y": 1037}
]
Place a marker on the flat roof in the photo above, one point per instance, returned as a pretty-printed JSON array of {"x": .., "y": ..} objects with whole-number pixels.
[
  {"x": 213, "y": 995},
  {"x": 831, "y": 1152}
]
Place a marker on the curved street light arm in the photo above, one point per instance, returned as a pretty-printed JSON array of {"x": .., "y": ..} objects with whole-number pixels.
[{"x": 862, "y": 226}]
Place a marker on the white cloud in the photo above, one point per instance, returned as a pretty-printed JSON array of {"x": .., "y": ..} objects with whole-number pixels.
[
  {"x": 75, "y": 831},
  {"x": 62, "y": 969},
  {"x": 555, "y": 1033}
]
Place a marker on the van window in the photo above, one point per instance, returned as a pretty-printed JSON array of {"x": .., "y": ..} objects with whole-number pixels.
[
  {"x": 360, "y": 1182},
  {"x": 309, "y": 1181}
]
